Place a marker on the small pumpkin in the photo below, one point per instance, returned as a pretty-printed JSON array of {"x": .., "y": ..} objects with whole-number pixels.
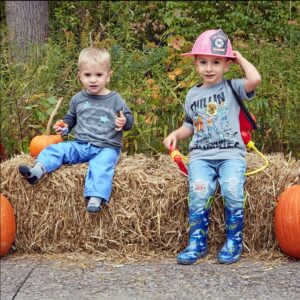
[
  {"x": 287, "y": 221},
  {"x": 8, "y": 225},
  {"x": 40, "y": 142}
]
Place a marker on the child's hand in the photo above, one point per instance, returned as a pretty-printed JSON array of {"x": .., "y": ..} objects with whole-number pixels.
[
  {"x": 61, "y": 128},
  {"x": 120, "y": 121},
  {"x": 181, "y": 133},
  {"x": 171, "y": 139},
  {"x": 238, "y": 56}
]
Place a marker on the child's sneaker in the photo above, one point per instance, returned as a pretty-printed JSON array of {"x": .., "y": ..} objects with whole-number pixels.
[
  {"x": 94, "y": 204},
  {"x": 32, "y": 175}
]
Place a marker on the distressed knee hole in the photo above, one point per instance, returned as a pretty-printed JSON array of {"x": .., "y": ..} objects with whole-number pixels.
[
  {"x": 200, "y": 187},
  {"x": 233, "y": 186}
]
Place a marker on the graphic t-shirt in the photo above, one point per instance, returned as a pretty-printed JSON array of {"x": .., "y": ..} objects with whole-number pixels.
[
  {"x": 93, "y": 118},
  {"x": 213, "y": 115}
]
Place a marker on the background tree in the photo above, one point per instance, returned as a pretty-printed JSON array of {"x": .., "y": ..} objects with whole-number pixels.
[{"x": 27, "y": 23}]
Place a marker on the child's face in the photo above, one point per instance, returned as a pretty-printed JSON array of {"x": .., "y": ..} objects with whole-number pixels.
[
  {"x": 211, "y": 68},
  {"x": 94, "y": 77}
]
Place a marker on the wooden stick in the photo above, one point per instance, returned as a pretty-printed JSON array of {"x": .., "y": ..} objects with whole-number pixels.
[{"x": 48, "y": 129}]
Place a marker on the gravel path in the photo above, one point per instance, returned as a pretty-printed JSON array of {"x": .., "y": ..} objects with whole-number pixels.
[{"x": 46, "y": 277}]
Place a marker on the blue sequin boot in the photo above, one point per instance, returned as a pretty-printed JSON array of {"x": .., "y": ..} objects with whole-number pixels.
[
  {"x": 197, "y": 246},
  {"x": 233, "y": 247}
]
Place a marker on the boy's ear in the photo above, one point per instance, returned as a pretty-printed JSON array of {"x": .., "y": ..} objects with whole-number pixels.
[
  {"x": 109, "y": 75},
  {"x": 227, "y": 64}
]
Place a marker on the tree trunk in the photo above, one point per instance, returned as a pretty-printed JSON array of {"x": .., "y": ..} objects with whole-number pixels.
[{"x": 27, "y": 23}]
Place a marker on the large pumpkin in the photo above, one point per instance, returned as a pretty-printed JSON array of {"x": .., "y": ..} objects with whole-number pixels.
[
  {"x": 8, "y": 225},
  {"x": 40, "y": 142},
  {"x": 287, "y": 221}
]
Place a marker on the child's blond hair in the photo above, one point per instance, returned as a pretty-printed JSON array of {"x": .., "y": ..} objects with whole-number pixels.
[{"x": 97, "y": 55}]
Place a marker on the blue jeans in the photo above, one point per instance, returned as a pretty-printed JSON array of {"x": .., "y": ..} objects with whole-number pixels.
[
  {"x": 101, "y": 164},
  {"x": 203, "y": 178}
]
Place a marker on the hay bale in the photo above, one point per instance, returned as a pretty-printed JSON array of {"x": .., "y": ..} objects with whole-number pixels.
[{"x": 147, "y": 214}]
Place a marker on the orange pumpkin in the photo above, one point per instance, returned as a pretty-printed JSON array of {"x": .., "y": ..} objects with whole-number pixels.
[
  {"x": 40, "y": 142},
  {"x": 8, "y": 225},
  {"x": 287, "y": 221}
]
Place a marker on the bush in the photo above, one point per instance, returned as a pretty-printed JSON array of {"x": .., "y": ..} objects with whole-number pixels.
[{"x": 145, "y": 39}]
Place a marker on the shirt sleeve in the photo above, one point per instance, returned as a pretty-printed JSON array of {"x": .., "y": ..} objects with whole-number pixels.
[
  {"x": 129, "y": 117},
  {"x": 239, "y": 87},
  {"x": 70, "y": 117},
  {"x": 187, "y": 122}
]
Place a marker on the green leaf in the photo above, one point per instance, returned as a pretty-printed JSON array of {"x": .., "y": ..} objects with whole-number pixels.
[
  {"x": 52, "y": 100},
  {"x": 29, "y": 107},
  {"x": 49, "y": 111}
]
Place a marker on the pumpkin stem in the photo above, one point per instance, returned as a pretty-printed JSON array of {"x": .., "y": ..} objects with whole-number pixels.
[{"x": 48, "y": 129}]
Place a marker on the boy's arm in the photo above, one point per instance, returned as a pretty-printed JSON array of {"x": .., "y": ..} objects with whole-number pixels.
[
  {"x": 70, "y": 117},
  {"x": 181, "y": 133},
  {"x": 252, "y": 76},
  {"x": 63, "y": 127},
  {"x": 129, "y": 120}
]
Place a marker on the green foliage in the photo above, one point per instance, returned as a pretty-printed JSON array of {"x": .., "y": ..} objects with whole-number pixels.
[
  {"x": 145, "y": 39},
  {"x": 29, "y": 93},
  {"x": 276, "y": 104}
]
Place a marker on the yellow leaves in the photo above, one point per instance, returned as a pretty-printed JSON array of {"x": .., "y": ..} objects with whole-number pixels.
[
  {"x": 34, "y": 97},
  {"x": 150, "y": 81},
  {"x": 151, "y": 119},
  {"x": 68, "y": 34},
  {"x": 176, "y": 42},
  {"x": 155, "y": 92},
  {"x": 175, "y": 73},
  {"x": 139, "y": 101},
  {"x": 154, "y": 88},
  {"x": 102, "y": 43},
  {"x": 37, "y": 96},
  {"x": 152, "y": 6},
  {"x": 171, "y": 75},
  {"x": 183, "y": 84},
  {"x": 70, "y": 38},
  {"x": 241, "y": 44},
  {"x": 151, "y": 45},
  {"x": 155, "y": 96},
  {"x": 136, "y": 56}
]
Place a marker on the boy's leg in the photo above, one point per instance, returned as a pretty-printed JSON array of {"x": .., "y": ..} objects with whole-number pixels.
[
  {"x": 202, "y": 185},
  {"x": 51, "y": 158},
  {"x": 232, "y": 179},
  {"x": 99, "y": 178}
]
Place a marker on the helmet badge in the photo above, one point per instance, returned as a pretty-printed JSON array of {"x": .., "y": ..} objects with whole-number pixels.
[{"x": 218, "y": 43}]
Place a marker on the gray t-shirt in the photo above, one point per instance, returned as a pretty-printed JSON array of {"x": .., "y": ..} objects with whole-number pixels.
[
  {"x": 213, "y": 115},
  {"x": 92, "y": 118}
]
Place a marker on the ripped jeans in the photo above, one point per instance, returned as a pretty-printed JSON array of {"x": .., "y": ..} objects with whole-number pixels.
[{"x": 203, "y": 178}]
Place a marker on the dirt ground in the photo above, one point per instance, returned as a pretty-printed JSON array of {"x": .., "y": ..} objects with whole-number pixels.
[{"x": 73, "y": 276}]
